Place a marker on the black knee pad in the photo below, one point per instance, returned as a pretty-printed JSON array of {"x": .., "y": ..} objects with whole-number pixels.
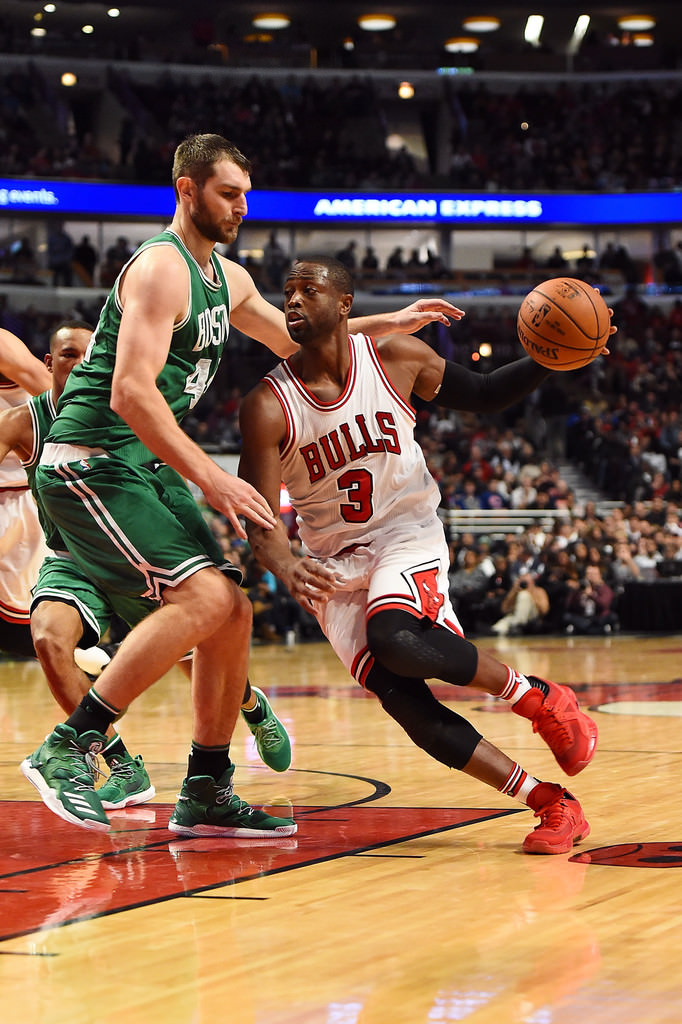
[
  {"x": 418, "y": 648},
  {"x": 442, "y": 733}
]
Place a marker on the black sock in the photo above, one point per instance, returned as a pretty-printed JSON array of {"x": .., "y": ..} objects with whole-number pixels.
[
  {"x": 212, "y": 761},
  {"x": 255, "y": 715},
  {"x": 115, "y": 750},
  {"x": 92, "y": 713}
]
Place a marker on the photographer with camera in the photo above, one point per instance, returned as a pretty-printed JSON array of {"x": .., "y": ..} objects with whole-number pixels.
[
  {"x": 524, "y": 607},
  {"x": 589, "y": 607}
]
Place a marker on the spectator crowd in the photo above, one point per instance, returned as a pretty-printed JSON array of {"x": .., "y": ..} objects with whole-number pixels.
[{"x": 305, "y": 133}]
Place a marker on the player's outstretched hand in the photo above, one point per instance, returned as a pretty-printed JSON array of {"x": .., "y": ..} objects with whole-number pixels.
[
  {"x": 425, "y": 311},
  {"x": 235, "y": 497}
]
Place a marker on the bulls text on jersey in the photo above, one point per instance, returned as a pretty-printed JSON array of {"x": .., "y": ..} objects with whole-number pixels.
[{"x": 346, "y": 444}]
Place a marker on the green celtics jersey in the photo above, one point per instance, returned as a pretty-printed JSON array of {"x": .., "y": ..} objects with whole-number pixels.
[
  {"x": 84, "y": 413},
  {"x": 43, "y": 412}
]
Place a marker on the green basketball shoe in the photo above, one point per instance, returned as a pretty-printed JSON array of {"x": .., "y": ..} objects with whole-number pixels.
[
  {"x": 209, "y": 808},
  {"x": 128, "y": 783},
  {"x": 272, "y": 739},
  {"x": 63, "y": 769}
]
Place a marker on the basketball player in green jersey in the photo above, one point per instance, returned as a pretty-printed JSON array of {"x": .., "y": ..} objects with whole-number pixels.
[
  {"x": 69, "y": 612},
  {"x": 154, "y": 352}
]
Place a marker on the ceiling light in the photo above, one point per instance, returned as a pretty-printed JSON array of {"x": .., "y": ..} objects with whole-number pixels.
[
  {"x": 87, "y": 30},
  {"x": 376, "y": 22},
  {"x": 68, "y": 79},
  {"x": 113, "y": 12},
  {"x": 271, "y": 22},
  {"x": 581, "y": 27},
  {"x": 534, "y": 29},
  {"x": 349, "y": 43},
  {"x": 49, "y": 8},
  {"x": 406, "y": 90},
  {"x": 642, "y": 39},
  {"x": 481, "y": 23},
  {"x": 636, "y": 22},
  {"x": 38, "y": 31},
  {"x": 462, "y": 44}
]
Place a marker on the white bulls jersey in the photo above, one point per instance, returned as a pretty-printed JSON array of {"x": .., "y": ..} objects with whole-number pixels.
[
  {"x": 11, "y": 471},
  {"x": 352, "y": 467},
  {"x": 22, "y": 544}
]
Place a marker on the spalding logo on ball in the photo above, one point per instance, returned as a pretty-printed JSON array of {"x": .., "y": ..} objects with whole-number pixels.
[{"x": 563, "y": 324}]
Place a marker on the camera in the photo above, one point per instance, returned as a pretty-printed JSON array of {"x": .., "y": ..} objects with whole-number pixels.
[{"x": 523, "y": 584}]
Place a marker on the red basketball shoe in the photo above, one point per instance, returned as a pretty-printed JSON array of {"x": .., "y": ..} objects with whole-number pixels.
[
  {"x": 562, "y": 822},
  {"x": 569, "y": 733}
]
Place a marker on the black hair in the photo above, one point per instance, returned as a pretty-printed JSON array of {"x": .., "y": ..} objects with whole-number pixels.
[
  {"x": 337, "y": 272},
  {"x": 68, "y": 325}
]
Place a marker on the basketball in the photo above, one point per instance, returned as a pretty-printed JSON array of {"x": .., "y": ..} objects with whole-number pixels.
[{"x": 563, "y": 323}]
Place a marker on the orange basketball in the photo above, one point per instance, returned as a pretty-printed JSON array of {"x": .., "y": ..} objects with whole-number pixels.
[{"x": 563, "y": 323}]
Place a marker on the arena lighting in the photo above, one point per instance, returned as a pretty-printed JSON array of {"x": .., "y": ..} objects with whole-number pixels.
[
  {"x": 581, "y": 27},
  {"x": 481, "y": 23},
  {"x": 271, "y": 22},
  {"x": 636, "y": 23},
  {"x": 87, "y": 30},
  {"x": 376, "y": 22},
  {"x": 68, "y": 79},
  {"x": 642, "y": 39},
  {"x": 533, "y": 29},
  {"x": 49, "y": 8},
  {"x": 406, "y": 90},
  {"x": 462, "y": 44},
  {"x": 113, "y": 12},
  {"x": 37, "y": 31}
]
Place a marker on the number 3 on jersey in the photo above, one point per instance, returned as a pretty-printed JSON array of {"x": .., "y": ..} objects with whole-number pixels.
[{"x": 359, "y": 487}]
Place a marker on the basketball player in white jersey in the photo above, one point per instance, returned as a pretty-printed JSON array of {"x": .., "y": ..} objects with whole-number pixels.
[
  {"x": 22, "y": 544},
  {"x": 335, "y": 424}
]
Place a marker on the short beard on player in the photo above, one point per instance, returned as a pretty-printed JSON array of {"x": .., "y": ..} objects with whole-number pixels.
[{"x": 220, "y": 232}]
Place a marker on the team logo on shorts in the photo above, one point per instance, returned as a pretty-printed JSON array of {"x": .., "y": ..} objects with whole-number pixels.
[{"x": 431, "y": 599}]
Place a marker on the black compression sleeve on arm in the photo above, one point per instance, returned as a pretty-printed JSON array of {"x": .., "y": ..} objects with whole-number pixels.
[{"x": 489, "y": 392}]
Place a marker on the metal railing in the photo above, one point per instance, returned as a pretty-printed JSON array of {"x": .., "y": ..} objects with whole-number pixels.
[{"x": 499, "y": 522}]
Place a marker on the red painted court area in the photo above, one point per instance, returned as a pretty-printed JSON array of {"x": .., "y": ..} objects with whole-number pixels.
[{"x": 52, "y": 873}]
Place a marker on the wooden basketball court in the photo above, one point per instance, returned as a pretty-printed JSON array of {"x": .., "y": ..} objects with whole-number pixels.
[{"x": 404, "y": 897}]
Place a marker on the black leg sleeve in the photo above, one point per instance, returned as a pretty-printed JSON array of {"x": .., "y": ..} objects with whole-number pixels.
[
  {"x": 416, "y": 647},
  {"x": 442, "y": 733}
]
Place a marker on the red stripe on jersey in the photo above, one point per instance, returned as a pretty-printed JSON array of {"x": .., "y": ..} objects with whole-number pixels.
[
  {"x": 17, "y": 616},
  {"x": 402, "y": 602},
  {"x": 376, "y": 359},
  {"x": 289, "y": 439},
  {"x": 362, "y": 666},
  {"x": 311, "y": 399}
]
